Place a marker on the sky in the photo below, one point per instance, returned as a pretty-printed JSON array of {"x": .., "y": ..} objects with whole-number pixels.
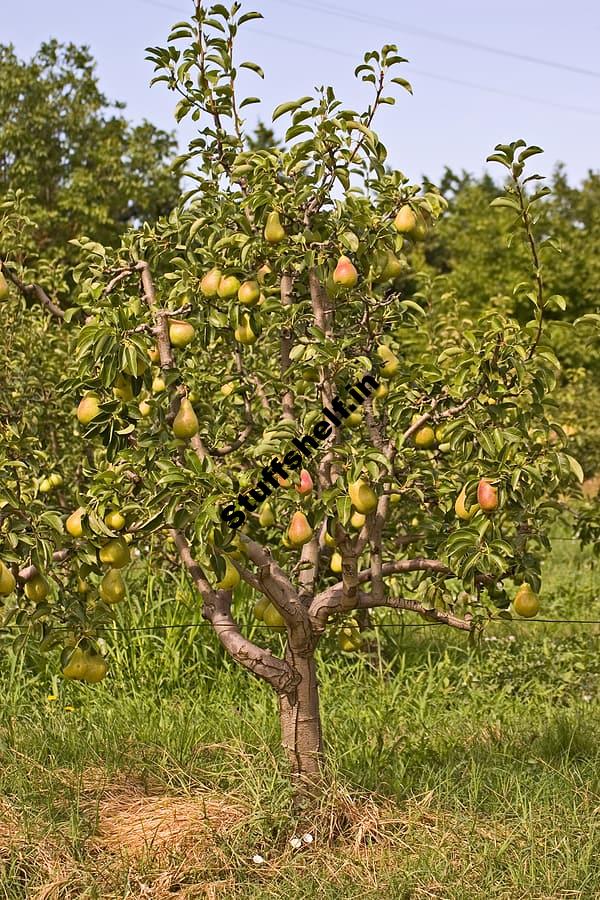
[{"x": 471, "y": 65}]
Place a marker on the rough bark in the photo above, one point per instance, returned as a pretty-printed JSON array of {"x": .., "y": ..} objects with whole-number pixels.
[{"x": 301, "y": 721}]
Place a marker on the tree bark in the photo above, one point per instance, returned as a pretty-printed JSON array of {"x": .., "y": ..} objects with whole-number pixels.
[{"x": 301, "y": 721}]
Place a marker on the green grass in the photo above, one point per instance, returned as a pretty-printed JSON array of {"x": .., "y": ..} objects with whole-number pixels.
[{"x": 456, "y": 771}]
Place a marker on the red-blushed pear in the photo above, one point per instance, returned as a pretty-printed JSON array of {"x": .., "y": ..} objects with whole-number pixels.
[
  {"x": 112, "y": 587},
  {"x": 390, "y": 362},
  {"x": 3, "y": 287},
  {"x": 526, "y": 602},
  {"x": 249, "y": 293},
  {"x": 345, "y": 274},
  {"x": 7, "y": 580},
  {"x": 181, "y": 333},
  {"x": 88, "y": 408},
  {"x": 210, "y": 283},
  {"x": 265, "y": 516},
  {"x": 299, "y": 532},
  {"x": 229, "y": 285},
  {"x": 306, "y": 483},
  {"x": 274, "y": 230},
  {"x": 487, "y": 495},
  {"x": 460, "y": 506},
  {"x": 185, "y": 423},
  {"x": 73, "y": 524},
  {"x": 230, "y": 579},
  {"x": 115, "y": 553},
  {"x": 363, "y": 497},
  {"x": 36, "y": 589},
  {"x": 405, "y": 220}
]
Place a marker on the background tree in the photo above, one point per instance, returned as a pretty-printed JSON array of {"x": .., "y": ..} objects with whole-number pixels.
[{"x": 260, "y": 301}]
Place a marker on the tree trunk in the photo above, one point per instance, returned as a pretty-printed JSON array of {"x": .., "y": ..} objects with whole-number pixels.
[{"x": 301, "y": 721}]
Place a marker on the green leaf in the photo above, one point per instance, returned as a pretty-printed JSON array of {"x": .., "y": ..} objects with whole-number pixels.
[
  {"x": 254, "y": 67},
  {"x": 291, "y": 105}
]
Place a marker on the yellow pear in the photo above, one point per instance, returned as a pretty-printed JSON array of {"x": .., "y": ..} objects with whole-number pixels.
[
  {"x": 115, "y": 553},
  {"x": 158, "y": 385},
  {"x": 424, "y": 438},
  {"x": 36, "y": 588},
  {"x": 274, "y": 230},
  {"x": 406, "y": 220},
  {"x": 272, "y": 617},
  {"x": 390, "y": 362},
  {"x": 259, "y": 608},
  {"x": 460, "y": 506},
  {"x": 363, "y": 497},
  {"x": 7, "y": 581},
  {"x": 230, "y": 579},
  {"x": 345, "y": 274},
  {"x": 228, "y": 388},
  {"x": 210, "y": 283},
  {"x": 45, "y": 486},
  {"x": 266, "y": 517},
  {"x": 185, "y": 424},
  {"x": 56, "y": 480},
  {"x": 229, "y": 285},
  {"x": 349, "y": 639},
  {"x": 526, "y": 602},
  {"x": 115, "y": 520},
  {"x": 88, "y": 408},
  {"x": 73, "y": 524},
  {"x": 329, "y": 540},
  {"x": 112, "y": 587},
  {"x": 243, "y": 333},
  {"x": 144, "y": 408},
  {"x": 154, "y": 354},
  {"x": 394, "y": 499},
  {"x": 358, "y": 520},
  {"x": 122, "y": 389},
  {"x": 354, "y": 419},
  {"x": 3, "y": 287},
  {"x": 249, "y": 293},
  {"x": 336, "y": 562},
  {"x": 299, "y": 532},
  {"x": 381, "y": 392},
  {"x": 181, "y": 333}
]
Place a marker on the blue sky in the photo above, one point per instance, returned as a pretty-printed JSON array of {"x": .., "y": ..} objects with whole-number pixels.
[{"x": 451, "y": 120}]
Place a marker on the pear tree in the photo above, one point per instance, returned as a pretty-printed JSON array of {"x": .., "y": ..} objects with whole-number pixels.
[{"x": 210, "y": 349}]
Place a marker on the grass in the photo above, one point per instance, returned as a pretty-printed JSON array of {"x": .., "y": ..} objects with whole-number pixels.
[{"x": 456, "y": 771}]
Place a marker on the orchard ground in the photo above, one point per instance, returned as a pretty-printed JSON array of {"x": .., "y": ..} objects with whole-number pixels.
[{"x": 457, "y": 771}]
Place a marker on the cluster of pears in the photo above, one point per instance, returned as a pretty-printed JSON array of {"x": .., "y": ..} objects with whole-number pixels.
[
  {"x": 114, "y": 553},
  {"x": 50, "y": 482},
  {"x": 83, "y": 663},
  {"x": 487, "y": 500},
  {"x": 265, "y": 612}
]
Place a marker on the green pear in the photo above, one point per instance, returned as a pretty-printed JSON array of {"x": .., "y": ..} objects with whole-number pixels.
[
  {"x": 363, "y": 497},
  {"x": 88, "y": 408},
  {"x": 424, "y": 438},
  {"x": 185, "y": 424},
  {"x": 243, "y": 333},
  {"x": 272, "y": 617},
  {"x": 115, "y": 520},
  {"x": 210, "y": 283},
  {"x": 405, "y": 220},
  {"x": 7, "y": 581},
  {"x": 158, "y": 385},
  {"x": 274, "y": 230},
  {"x": 115, "y": 553},
  {"x": 260, "y": 607},
  {"x": 122, "y": 389},
  {"x": 390, "y": 362},
  {"x": 144, "y": 408},
  {"x": 3, "y": 287},
  {"x": 266, "y": 517},
  {"x": 460, "y": 506},
  {"x": 526, "y": 602},
  {"x": 229, "y": 286},
  {"x": 249, "y": 293},
  {"x": 112, "y": 587},
  {"x": 230, "y": 579},
  {"x": 393, "y": 267},
  {"x": 36, "y": 589},
  {"x": 181, "y": 333}
]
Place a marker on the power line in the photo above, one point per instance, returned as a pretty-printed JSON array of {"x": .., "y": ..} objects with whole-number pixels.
[
  {"x": 331, "y": 9},
  {"x": 445, "y": 78}
]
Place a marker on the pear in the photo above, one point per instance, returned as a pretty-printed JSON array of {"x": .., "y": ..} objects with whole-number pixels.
[
  {"x": 345, "y": 274},
  {"x": 329, "y": 540},
  {"x": 3, "y": 287},
  {"x": 185, "y": 424},
  {"x": 336, "y": 562},
  {"x": 419, "y": 232},
  {"x": 158, "y": 385},
  {"x": 73, "y": 524},
  {"x": 357, "y": 520},
  {"x": 354, "y": 419},
  {"x": 306, "y": 483},
  {"x": 526, "y": 602},
  {"x": 266, "y": 517},
  {"x": 181, "y": 333},
  {"x": 73, "y": 663},
  {"x": 45, "y": 486},
  {"x": 349, "y": 639},
  {"x": 112, "y": 587},
  {"x": 154, "y": 354},
  {"x": 424, "y": 438},
  {"x": 243, "y": 333},
  {"x": 487, "y": 495},
  {"x": 299, "y": 532},
  {"x": 7, "y": 581},
  {"x": 393, "y": 267},
  {"x": 56, "y": 480},
  {"x": 273, "y": 618},
  {"x": 83, "y": 586},
  {"x": 406, "y": 220},
  {"x": 88, "y": 408},
  {"x": 36, "y": 588},
  {"x": 115, "y": 553},
  {"x": 230, "y": 579},
  {"x": 122, "y": 389},
  {"x": 381, "y": 392},
  {"x": 364, "y": 498},
  {"x": 249, "y": 293},
  {"x": 274, "y": 230},
  {"x": 229, "y": 285},
  {"x": 209, "y": 285},
  {"x": 460, "y": 506},
  {"x": 144, "y": 408},
  {"x": 95, "y": 668},
  {"x": 115, "y": 520},
  {"x": 390, "y": 362},
  {"x": 394, "y": 499},
  {"x": 228, "y": 388},
  {"x": 260, "y": 607}
]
